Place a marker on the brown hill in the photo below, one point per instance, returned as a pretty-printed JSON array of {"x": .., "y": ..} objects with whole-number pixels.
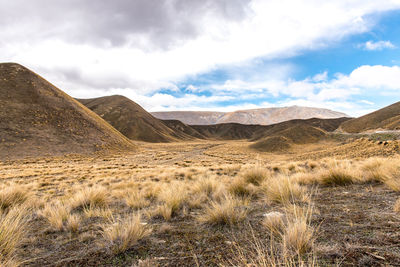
[
  {"x": 184, "y": 128},
  {"x": 387, "y": 118},
  {"x": 227, "y": 131},
  {"x": 132, "y": 120},
  {"x": 263, "y": 116},
  {"x": 298, "y": 131},
  {"x": 38, "y": 119}
]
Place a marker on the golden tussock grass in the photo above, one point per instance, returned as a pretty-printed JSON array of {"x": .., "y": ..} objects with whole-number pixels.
[
  {"x": 256, "y": 175},
  {"x": 274, "y": 222},
  {"x": 396, "y": 206},
  {"x": 12, "y": 195},
  {"x": 13, "y": 227},
  {"x": 96, "y": 196},
  {"x": 56, "y": 214},
  {"x": 98, "y": 212},
  {"x": 298, "y": 235},
  {"x": 136, "y": 199},
  {"x": 125, "y": 233},
  {"x": 282, "y": 189},
  {"x": 229, "y": 210}
]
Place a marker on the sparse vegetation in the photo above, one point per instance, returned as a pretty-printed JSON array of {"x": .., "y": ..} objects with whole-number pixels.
[{"x": 264, "y": 203}]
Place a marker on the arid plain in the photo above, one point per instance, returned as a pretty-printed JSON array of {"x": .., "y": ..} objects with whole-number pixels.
[{"x": 206, "y": 203}]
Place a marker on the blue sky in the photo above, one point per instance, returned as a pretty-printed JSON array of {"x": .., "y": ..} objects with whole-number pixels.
[{"x": 220, "y": 55}]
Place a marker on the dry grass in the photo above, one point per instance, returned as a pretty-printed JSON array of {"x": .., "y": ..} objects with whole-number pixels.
[
  {"x": 136, "y": 199},
  {"x": 282, "y": 189},
  {"x": 173, "y": 196},
  {"x": 56, "y": 214},
  {"x": 298, "y": 235},
  {"x": 255, "y": 175},
  {"x": 124, "y": 234},
  {"x": 73, "y": 223},
  {"x": 274, "y": 222},
  {"x": 13, "y": 227},
  {"x": 90, "y": 197},
  {"x": 13, "y": 195},
  {"x": 228, "y": 211},
  {"x": 396, "y": 207}
]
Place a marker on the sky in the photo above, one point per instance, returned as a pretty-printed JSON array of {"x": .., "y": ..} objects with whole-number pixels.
[{"x": 219, "y": 55}]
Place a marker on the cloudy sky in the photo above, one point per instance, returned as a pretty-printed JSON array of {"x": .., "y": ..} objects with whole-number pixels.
[{"x": 212, "y": 54}]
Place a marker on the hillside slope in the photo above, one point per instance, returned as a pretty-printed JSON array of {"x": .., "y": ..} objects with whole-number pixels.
[
  {"x": 38, "y": 119},
  {"x": 132, "y": 120},
  {"x": 264, "y": 116},
  {"x": 387, "y": 118}
]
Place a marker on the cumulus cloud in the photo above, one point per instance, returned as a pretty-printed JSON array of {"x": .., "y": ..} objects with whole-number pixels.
[
  {"x": 136, "y": 48},
  {"x": 380, "y": 45}
]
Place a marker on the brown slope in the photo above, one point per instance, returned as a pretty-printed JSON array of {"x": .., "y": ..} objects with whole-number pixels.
[
  {"x": 132, "y": 120},
  {"x": 386, "y": 118},
  {"x": 38, "y": 119},
  {"x": 184, "y": 128},
  {"x": 228, "y": 131}
]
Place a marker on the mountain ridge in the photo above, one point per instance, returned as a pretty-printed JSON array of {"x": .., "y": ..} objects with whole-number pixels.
[{"x": 262, "y": 116}]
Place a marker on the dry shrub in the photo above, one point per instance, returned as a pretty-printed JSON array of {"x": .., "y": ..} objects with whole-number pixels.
[
  {"x": 13, "y": 226},
  {"x": 298, "y": 235},
  {"x": 90, "y": 197},
  {"x": 284, "y": 190},
  {"x": 123, "y": 234},
  {"x": 13, "y": 195},
  {"x": 396, "y": 207},
  {"x": 56, "y": 214},
  {"x": 228, "y": 211}
]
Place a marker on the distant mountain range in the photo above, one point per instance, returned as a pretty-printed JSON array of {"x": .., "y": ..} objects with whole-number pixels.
[
  {"x": 38, "y": 119},
  {"x": 263, "y": 116}
]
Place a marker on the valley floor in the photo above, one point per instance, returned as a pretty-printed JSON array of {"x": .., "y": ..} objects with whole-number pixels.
[{"x": 214, "y": 203}]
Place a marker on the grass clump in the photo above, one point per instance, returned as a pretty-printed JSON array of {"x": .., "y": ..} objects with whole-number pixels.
[
  {"x": 136, "y": 199},
  {"x": 228, "y": 211},
  {"x": 255, "y": 175},
  {"x": 298, "y": 235},
  {"x": 396, "y": 207},
  {"x": 124, "y": 234},
  {"x": 56, "y": 214},
  {"x": 282, "y": 189},
  {"x": 13, "y": 195},
  {"x": 13, "y": 226},
  {"x": 90, "y": 197}
]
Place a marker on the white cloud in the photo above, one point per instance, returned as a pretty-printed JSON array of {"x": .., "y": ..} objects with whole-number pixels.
[
  {"x": 269, "y": 29},
  {"x": 380, "y": 45},
  {"x": 337, "y": 93}
]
